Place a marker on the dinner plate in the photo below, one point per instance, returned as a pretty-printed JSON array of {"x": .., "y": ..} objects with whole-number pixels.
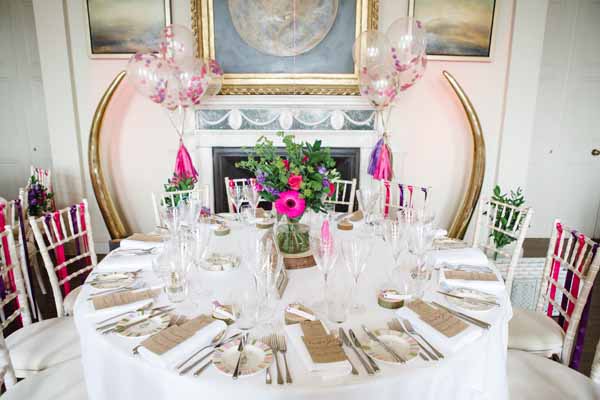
[
  {"x": 112, "y": 280},
  {"x": 258, "y": 357},
  {"x": 405, "y": 346},
  {"x": 146, "y": 328},
  {"x": 471, "y": 304}
]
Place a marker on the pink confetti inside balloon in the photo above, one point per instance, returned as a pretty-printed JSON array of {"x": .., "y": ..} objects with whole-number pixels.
[
  {"x": 409, "y": 45},
  {"x": 149, "y": 75},
  {"x": 378, "y": 84},
  {"x": 176, "y": 43},
  {"x": 193, "y": 78},
  {"x": 215, "y": 78}
]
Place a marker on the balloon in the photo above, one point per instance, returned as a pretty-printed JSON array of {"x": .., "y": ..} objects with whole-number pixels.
[
  {"x": 371, "y": 48},
  {"x": 215, "y": 78},
  {"x": 192, "y": 75},
  {"x": 409, "y": 47},
  {"x": 378, "y": 84},
  {"x": 149, "y": 74},
  {"x": 176, "y": 43}
]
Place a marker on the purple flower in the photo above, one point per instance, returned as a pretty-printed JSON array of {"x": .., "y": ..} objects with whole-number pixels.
[
  {"x": 322, "y": 170},
  {"x": 261, "y": 177},
  {"x": 272, "y": 190},
  {"x": 33, "y": 202},
  {"x": 325, "y": 183}
]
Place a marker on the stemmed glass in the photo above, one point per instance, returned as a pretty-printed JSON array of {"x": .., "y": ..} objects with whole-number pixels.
[
  {"x": 171, "y": 217},
  {"x": 369, "y": 197},
  {"x": 252, "y": 195},
  {"x": 421, "y": 234},
  {"x": 237, "y": 195},
  {"x": 356, "y": 251},
  {"x": 324, "y": 250}
]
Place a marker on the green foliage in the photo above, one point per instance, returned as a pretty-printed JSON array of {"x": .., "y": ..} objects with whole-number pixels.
[
  {"x": 504, "y": 219},
  {"x": 311, "y": 161},
  {"x": 176, "y": 184}
]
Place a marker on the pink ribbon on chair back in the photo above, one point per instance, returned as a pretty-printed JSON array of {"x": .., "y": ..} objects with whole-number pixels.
[
  {"x": 386, "y": 205},
  {"x": 59, "y": 251},
  {"x": 410, "y": 196},
  {"x": 184, "y": 167},
  {"x": 231, "y": 189},
  {"x": 572, "y": 281},
  {"x": 555, "y": 268},
  {"x": 11, "y": 275}
]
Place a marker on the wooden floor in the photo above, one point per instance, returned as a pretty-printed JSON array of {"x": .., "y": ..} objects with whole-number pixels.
[{"x": 592, "y": 335}]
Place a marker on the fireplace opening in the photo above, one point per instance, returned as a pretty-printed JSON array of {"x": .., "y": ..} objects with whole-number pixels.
[{"x": 347, "y": 160}]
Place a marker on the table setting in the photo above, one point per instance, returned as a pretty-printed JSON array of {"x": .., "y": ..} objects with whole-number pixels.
[{"x": 299, "y": 301}]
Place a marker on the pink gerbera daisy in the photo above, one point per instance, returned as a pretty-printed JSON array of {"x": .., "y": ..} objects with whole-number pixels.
[{"x": 289, "y": 203}]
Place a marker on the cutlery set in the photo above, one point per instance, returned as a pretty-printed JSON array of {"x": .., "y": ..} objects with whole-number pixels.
[
  {"x": 278, "y": 344},
  {"x": 431, "y": 353},
  {"x": 367, "y": 362}
]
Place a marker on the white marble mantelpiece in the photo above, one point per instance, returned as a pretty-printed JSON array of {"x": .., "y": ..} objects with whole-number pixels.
[{"x": 238, "y": 121}]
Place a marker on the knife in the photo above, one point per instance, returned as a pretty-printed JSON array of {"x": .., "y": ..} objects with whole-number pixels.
[
  {"x": 195, "y": 363},
  {"x": 385, "y": 346},
  {"x": 347, "y": 342},
  {"x": 236, "y": 371},
  {"x": 158, "y": 314},
  {"x": 474, "y": 299},
  {"x": 465, "y": 317},
  {"x": 359, "y": 345},
  {"x": 354, "y": 370}
]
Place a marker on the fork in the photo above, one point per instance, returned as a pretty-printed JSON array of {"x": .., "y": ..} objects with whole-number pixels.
[
  {"x": 268, "y": 379},
  {"x": 396, "y": 326},
  {"x": 411, "y": 330},
  {"x": 273, "y": 345},
  {"x": 282, "y": 346}
]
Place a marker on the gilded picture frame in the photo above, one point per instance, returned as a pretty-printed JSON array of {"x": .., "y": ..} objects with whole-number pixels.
[{"x": 274, "y": 83}]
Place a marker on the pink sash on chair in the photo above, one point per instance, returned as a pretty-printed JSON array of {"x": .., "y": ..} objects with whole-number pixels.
[
  {"x": 11, "y": 276},
  {"x": 555, "y": 268},
  {"x": 572, "y": 281},
  {"x": 59, "y": 251}
]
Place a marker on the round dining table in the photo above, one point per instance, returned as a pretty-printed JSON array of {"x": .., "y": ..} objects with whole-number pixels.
[{"x": 475, "y": 370}]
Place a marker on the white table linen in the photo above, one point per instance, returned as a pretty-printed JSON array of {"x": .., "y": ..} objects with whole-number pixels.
[{"x": 476, "y": 370}]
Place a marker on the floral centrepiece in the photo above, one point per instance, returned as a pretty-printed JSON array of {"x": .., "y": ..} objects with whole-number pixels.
[
  {"x": 299, "y": 180},
  {"x": 39, "y": 199}
]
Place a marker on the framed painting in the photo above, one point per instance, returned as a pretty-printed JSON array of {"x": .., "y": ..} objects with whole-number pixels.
[
  {"x": 457, "y": 30},
  {"x": 120, "y": 28},
  {"x": 283, "y": 46}
]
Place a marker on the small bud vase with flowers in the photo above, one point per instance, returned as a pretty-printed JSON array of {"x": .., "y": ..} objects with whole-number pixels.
[{"x": 298, "y": 181}]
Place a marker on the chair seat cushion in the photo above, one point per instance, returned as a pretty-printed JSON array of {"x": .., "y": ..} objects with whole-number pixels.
[
  {"x": 42, "y": 345},
  {"x": 534, "y": 332},
  {"x": 64, "y": 382},
  {"x": 533, "y": 377},
  {"x": 69, "y": 301}
]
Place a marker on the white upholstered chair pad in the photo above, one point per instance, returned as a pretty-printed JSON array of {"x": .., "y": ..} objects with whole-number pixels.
[
  {"x": 534, "y": 377},
  {"x": 42, "y": 345},
  {"x": 534, "y": 332},
  {"x": 64, "y": 382},
  {"x": 69, "y": 301}
]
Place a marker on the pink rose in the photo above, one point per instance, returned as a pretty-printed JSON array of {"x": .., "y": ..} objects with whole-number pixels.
[
  {"x": 295, "y": 181},
  {"x": 286, "y": 164},
  {"x": 304, "y": 159},
  {"x": 331, "y": 190}
]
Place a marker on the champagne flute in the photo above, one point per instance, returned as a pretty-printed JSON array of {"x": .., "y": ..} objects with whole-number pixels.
[
  {"x": 237, "y": 194},
  {"x": 356, "y": 252},
  {"x": 324, "y": 250},
  {"x": 252, "y": 195}
]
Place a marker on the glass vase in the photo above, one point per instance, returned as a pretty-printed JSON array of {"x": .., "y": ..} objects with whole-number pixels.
[{"x": 293, "y": 237}]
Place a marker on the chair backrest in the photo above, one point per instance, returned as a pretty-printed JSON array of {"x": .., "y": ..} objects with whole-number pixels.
[
  {"x": 500, "y": 230},
  {"x": 51, "y": 234},
  {"x": 344, "y": 194},
  {"x": 14, "y": 214},
  {"x": 397, "y": 195},
  {"x": 229, "y": 183},
  {"x": 12, "y": 296},
  {"x": 575, "y": 253},
  {"x": 172, "y": 199}
]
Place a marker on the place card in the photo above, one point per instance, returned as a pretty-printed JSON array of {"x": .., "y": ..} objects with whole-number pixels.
[
  {"x": 296, "y": 313},
  {"x": 122, "y": 298},
  {"x": 167, "y": 339},
  {"x": 470, "y": 275},
  {"x": 441, "y": 320},
  {"x": 322, "y": 347},
  {"x": 142, "y": 237}
]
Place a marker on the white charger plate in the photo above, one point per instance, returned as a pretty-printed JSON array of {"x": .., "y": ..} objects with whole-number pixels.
[
  {"x": 112, "y": 280},
  {"x": 259, "y": 357},
  {"x": 405, "y": 346}
]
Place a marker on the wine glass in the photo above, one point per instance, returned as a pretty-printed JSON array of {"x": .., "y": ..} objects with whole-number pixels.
[
  {"x": 369, "y": 197},
  {"x": 324, "y": 250},
  {"x": 171, "y": 217},
  {"x": 356, "y": 252},
  {"x": 252, "y": 195},
  {"x": 237, "y": 195}
]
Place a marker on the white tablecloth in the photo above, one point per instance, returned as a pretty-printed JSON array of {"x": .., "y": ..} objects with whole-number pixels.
[{"x": 476, "y": 371}]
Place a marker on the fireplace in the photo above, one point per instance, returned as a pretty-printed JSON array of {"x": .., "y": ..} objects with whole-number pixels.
[{"x": 224, "y": 158}]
